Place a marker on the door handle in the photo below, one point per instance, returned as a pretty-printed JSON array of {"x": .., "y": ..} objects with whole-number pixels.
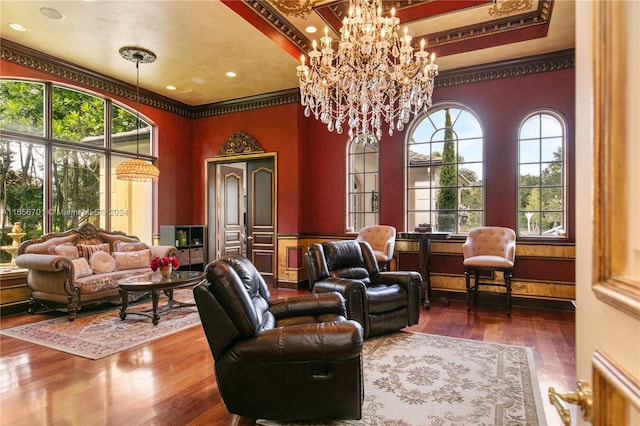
[
  {"x": 249, "y": 238},
  {"x": 582, "y": 397}
]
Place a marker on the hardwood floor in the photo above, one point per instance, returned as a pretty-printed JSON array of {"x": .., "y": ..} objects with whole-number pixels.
[{"x": 170, "y": 381}]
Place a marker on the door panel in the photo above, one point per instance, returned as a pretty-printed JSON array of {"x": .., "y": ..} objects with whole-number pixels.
[
  {"x": 607, "y": 237},
  {"x": 231, "y": 210},
  {"x": 261, "y": 217}
]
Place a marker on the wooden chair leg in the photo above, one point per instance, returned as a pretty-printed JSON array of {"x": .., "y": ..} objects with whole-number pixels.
[
  {"x": 507, "y": 283},
  {"x": 466, "y": 279},
  {"x": 475, "y": 287}
]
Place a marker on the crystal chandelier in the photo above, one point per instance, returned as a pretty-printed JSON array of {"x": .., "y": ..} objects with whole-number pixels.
[
  {"x": 137, "y": 169},
  {"x": 375, "y": 75}
]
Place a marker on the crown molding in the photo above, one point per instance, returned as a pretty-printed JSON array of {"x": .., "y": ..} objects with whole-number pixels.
[
  {"x": 555, "y": 61},
  {"x": 42, "y": 62},
  {"x": 18, "y": 54}
]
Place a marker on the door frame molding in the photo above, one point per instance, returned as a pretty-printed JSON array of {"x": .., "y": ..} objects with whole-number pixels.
[
  {"x": 240, "y": 158},
  {"x": 612, "y": 282}
]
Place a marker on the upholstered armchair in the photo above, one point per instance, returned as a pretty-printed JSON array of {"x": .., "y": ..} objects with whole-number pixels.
[
  {"x": 382, "y": 239},
  {"x": 489, "y": 248},
  {"x": 381, "y": 301},
  {"x": 289, "y": 359}
]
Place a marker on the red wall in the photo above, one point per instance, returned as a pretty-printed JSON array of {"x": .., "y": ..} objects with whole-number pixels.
[
  {"x": 311, "y": 161},
  {"x": 276, "y": 130},
  {"x": 500, "y": 105}
]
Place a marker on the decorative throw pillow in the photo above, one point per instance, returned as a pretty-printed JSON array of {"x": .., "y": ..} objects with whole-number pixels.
[
  {"x": 127, "y": 246},
  {"x": 102, "y": 262},
  {"x": 66, "y": 249},
  {"x": 87, "y": 250},
  {"x": 81, "y": 268},
  {"x": 132, "y": 259}
]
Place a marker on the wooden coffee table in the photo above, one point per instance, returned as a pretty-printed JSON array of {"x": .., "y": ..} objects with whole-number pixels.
[{"x": 154, "y": 283}]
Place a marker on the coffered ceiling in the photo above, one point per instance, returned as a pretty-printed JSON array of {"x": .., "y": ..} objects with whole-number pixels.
[{"x": 198, "y": 42}]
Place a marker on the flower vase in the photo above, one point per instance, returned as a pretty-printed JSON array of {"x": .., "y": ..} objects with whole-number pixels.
[{"x": 165, "y": 271}]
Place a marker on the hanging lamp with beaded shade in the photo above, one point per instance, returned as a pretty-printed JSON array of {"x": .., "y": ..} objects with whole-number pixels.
[{"x": 137, "y": 169}]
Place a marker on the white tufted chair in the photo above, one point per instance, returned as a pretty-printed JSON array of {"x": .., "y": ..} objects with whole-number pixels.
[
  {"x": 489, "y": 248},
  {"x": 382, "y": 239}
]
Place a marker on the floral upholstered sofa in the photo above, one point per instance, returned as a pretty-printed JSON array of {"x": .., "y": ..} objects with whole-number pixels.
[{"x": 82, "y": 266}]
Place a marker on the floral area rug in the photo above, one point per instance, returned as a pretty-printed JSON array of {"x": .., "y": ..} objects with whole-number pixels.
[
  {"x": 97, "y": 333},
  {"x": 423, "y": 379}
]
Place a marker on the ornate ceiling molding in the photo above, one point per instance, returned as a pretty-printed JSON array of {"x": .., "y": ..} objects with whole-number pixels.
[
  {"x": 35, "y": 60},
  {"x": 246, "y": 104},
  {"x": 555, "y": 61},
  {"x": 279, "y": 23},
  {"x": 38, "y": 61},
  {"x": 300, "y": 8}
]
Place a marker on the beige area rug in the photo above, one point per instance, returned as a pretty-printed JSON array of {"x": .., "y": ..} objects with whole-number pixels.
[
  {"x": 423, "y": 379},
  {"x": 97, "y": 333}
]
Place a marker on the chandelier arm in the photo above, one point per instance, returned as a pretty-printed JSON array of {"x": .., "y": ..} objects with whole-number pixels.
[{"x": 373, "y": 77}]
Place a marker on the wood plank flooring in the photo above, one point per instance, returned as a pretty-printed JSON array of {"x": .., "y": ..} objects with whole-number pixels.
[{"x": 170, "y": 381}]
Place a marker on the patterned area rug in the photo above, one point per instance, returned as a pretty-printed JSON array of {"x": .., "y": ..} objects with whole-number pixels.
[
  {"x": 423, "y": 379},
  {"x": 97, "y": 333}
]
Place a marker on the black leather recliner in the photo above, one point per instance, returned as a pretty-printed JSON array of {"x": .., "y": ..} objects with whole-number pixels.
[
  {"x": 289, "y": 359},
  {"x": 381, "y": 301}
]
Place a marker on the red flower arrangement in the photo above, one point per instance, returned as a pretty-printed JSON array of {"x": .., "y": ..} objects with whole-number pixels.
[{"x": 163, "y": 262}]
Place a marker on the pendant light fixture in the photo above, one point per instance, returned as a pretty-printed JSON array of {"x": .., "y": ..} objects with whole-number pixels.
[{"x": 137, "y": 169}]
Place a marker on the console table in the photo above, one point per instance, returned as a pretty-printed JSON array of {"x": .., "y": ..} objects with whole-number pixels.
[{"x": 424, "y": 256}]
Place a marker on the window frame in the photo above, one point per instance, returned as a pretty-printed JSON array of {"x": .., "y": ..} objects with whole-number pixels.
[
  {"x": 433, "y": 190},
  {"x": 561, "y": 231},
  {"x": 103, "y": 216},
  {"x": 371, "y": 202}
]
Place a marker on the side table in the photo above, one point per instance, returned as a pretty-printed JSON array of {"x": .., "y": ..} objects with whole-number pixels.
[{"x": 424, "y": 256}]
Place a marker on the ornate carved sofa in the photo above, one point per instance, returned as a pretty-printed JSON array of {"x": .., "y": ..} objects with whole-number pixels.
[{"x": 82, "y": 266}]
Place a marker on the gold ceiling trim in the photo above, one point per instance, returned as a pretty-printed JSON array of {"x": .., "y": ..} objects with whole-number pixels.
[
  {"x": 271, "y": 16},
  {"x": 300, "y": 8},
  {"x": 540, "y": 16},
  {"x": 509, "y": 7}
]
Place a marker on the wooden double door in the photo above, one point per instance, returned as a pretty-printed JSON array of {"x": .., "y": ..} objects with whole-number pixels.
[{"x": 242, "y": 210}]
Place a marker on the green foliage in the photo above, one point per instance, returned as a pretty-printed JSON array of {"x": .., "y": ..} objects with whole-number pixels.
[
  {"x": 76, "y": 115},
  {"x": 541, "y": 197},
  {"x": 22, "y": 107},
  {"x": 448, "y": 195},
  {"x": 76, "y": 173}
]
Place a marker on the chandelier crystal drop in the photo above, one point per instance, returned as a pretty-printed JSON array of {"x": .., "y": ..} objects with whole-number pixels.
[{"x": 374, "y": 77}]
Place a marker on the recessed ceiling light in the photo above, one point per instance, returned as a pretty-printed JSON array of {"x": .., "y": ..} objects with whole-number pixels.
[
  {"x": 311, "y": 29},
  {"x": 230, "y": 74},
  {"x": 52, "y": 13},
  {"x": 171, "y": 87},
  {"x": 17, "y": 27},
  {"x": 197, "y": 80}
]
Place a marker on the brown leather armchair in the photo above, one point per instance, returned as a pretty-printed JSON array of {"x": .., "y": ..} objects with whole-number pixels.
[
  {"x": 381, "y": 301},
  {"x": 289, "y": 359}
]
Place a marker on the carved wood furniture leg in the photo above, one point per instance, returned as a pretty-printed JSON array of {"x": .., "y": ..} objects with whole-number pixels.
[
  {"x": 507, "y": 283},
  {"x": 424, "y": 271},
  {"x": 154, "y": 299},
  {"x": 125, "y": 304},
  {"x": 33, "y": 306}
]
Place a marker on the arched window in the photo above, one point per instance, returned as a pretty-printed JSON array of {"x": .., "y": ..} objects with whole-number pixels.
[
  {"x": 363, "y": 188},
  {"x": 57, "y": 171},
  {"x": 445, "y": 182},
  {"x": 541, "y": 175}
]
